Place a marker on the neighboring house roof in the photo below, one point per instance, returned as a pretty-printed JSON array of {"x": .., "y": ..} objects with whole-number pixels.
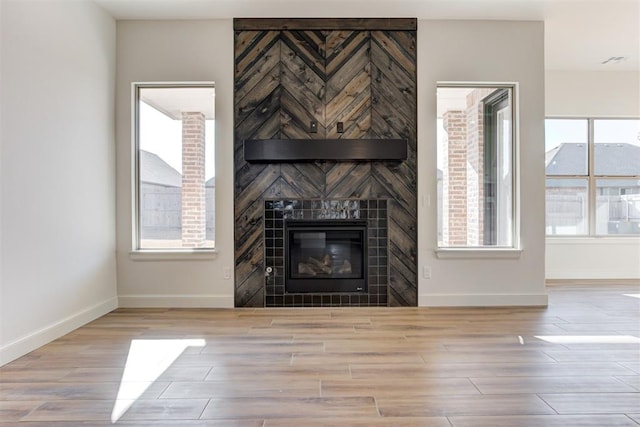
[
  {"x": 582, "y": 183},
  {"x": 610, "y": 159},
  {"x": 154, "y": 170}
]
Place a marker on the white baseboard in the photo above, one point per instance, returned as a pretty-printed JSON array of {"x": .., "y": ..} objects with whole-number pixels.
[
  {"x": 34, "y": 340},
  {"x": 482, "y": 300},
  {"x": 591, "y": 275},
  {"x": 175, "y": 301}
]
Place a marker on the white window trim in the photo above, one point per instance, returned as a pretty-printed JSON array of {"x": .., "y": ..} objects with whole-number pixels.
[
  {"x": 173, "y": 255},
  {"x": 170, "y": 254},
  {"x": 591, "y": 179},
  {"x": 478, "y": 253},
  {"x": 514, "y": 251}
]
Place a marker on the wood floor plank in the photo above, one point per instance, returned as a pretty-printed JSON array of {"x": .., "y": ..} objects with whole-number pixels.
[
  {"x": 544, "y": 421},
  {"x": 283, "y": 387},
  {"x": 213, "y": 359},
  {"x": 138, "y": 423},
  {"x": 469, "y": 370},
  {"x": 359, "y": 422},
  {"x": 199, "y": 423},
  {"x": 531, "y": 385},
  {"x": 293, "y": 373},
  {"x": 355, "y": 345},
  {"x": 513, "y": 356},
  {"x": 355, "y": 357},
  {"x": 633, "y": 365},
  {"x": 70, "y": 391},
  {"x": 632, "y": 380},
  {"x": 79, "y": 361},
  {"x": 72, "y": 410},
  {"x": 347, "y": 334},
  {"x": 340, "y": 407},
  {"x": 384, "y": 387},
  {"x": 605, "y": 328},
  {"x": 177, "y": 409},
  {"x": 16, "y": 410},
  {"x": 263, "y": 348},
  {"x": 594, "y": 355},
  {"x": 180, "y": 373},
  {"x": 103, "y": 410},
  {"x": 452, "y": 405},
  {"x": 593, "y": 403},
  {"x": 514, "y": 345},
  {"x": 12, "y": 375}
]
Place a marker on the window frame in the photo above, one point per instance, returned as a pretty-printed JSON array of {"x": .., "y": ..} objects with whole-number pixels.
[
  {"x": 155, "y": 254},
  {"x": 591, "y": 179},
  {"x": 496, "y": 252}
]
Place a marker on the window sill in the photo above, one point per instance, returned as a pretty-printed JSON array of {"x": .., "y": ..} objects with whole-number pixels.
[
  {"x": 173, "y": 255},
  {"x": 593, "y": 240},
  {"x": 478, "y": 253}
]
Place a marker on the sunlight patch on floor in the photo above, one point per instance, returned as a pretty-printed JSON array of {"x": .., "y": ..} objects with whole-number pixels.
[
  {"x": 589, "y": 339},
  {"x": 146, "y": 361}
]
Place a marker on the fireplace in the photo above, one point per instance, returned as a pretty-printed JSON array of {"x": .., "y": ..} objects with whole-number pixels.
[
  {"x": 330, "y": 232},
  {"x": 325, "y": 256}
]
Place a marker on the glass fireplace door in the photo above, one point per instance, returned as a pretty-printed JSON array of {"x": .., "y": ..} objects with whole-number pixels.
[{"x": 325, "y": 256}]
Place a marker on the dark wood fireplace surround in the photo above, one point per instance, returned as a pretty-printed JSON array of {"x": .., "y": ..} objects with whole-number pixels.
[{"x": 310, "y": 82}]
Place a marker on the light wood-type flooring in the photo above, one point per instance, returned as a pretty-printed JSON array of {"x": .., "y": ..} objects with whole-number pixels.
[{"x": 575, "y": 363}]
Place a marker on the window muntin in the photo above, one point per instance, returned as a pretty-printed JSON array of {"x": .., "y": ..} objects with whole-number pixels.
[
  {"x": 476, "y": 145},
  {"x": 174, "y": 164},
  {"x": 607, "y": 199}
]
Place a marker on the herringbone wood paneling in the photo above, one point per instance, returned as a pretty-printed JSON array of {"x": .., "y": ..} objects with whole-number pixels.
[
  {"x": 284, "y": 80},
  {"x": 303, "y": 84}
]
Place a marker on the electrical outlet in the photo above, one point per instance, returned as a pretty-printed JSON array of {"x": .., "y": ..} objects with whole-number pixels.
[
  {"x": 313, "y": 127},
  {"x": 340, "y": 127},
  {"x": 426, "y": 272},
  {"x": 226, "y": 273}
]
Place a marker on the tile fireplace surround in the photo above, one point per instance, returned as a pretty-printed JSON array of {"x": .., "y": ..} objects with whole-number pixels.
[{"x": 373, "y": 210}]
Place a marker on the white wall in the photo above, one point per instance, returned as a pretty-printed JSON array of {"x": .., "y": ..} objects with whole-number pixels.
[
  {"x": 483, "y": 51},
  {"x": 57, "y": 175},
  {"x": 593, "y": 94},
  {"x": 596, "y": 258},
  {"x": 176, "y": 51}
]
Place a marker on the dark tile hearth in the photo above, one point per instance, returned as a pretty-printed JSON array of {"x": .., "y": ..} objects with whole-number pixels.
[{"x": 374, "y": 211}]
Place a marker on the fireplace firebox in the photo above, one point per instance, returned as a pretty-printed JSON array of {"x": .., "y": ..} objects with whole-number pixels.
[
  {"x": 368, "y": 287},
  {"x": 325, "y": 256}
]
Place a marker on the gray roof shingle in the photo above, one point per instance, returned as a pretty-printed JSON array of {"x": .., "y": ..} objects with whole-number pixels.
[{"x": 610, "y": 159}]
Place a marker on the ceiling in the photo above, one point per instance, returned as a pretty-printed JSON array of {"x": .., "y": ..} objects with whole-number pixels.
[
  {"x": 579, "y": 34},
  {"x": 172, "y": 101}
]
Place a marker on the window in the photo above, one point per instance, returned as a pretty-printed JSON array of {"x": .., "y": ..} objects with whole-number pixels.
[
  {"x": 593, "y": 177},
  {"x": 475, "y": 166},
  {"x": 174, "y": 165}
]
